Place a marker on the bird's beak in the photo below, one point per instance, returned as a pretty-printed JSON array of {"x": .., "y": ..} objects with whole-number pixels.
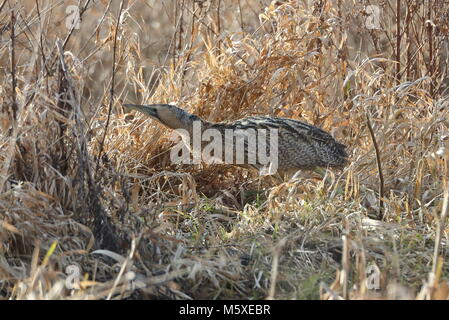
[{"x": 152, "y": 112}]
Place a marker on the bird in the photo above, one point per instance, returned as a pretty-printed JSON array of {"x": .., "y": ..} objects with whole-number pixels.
[{"x": 298, "y": 145}]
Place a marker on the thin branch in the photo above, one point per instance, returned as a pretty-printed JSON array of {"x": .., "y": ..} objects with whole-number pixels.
[
  {"x": 242, "y": 25},
  {"x": 440, "y": 229},
  {"x": 66, "y": 40},
  {"x": 13, "y": 67},
  {"x": 398, "y": 41},
  {"x": 379, "y": 168},
  {"x": 2, "y": 5},
  {"x": 218, "y": 37},
  {"x": 430, "y": 38}
]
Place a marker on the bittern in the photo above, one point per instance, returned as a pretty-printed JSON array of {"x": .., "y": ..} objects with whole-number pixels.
[{"x": 299, "y": 145}]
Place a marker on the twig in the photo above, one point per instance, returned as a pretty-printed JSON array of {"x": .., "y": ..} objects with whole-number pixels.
[
  {"x": 345, "y": 262},
  {"x": 111, "y": 99},
  {"x": 90, "y": 192},
  {"x": 2, "y": 5},
  {"x": 274, "y": 267},
  {"x": 218, "y": 17},
  {"x": 175, "y": 15},
  {"x": 398, "y": 40},
  {"x": 127, "y": 264},
  {"x": 66, "y": 40},
  {"x": 430, "y": 37},
  {"x": 242, "y": 25},
  {"x": 440, "y": 229},
  {"x": 181, "y": 28},
  {"x": 13, "y": 67},
  {"x": 435, "y": 274},
  {"x": 379, "y": 168},
  {"x": 218, "y": 38}
]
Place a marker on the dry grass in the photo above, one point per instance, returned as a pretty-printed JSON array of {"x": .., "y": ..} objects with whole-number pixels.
[{"x": 84, "y": 185}]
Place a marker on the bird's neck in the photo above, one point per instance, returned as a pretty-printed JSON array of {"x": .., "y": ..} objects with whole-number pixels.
[{"x": 187, "y": 122}]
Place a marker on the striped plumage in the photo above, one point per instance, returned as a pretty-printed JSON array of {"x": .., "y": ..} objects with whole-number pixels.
[{"x": 300, "y": 145}]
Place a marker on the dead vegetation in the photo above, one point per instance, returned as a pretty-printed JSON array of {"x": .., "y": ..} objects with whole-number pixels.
[{"x": 85, "y": 187}]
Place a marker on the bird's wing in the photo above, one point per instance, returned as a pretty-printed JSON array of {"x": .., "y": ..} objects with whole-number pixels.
[{"x": 296, "y": 128}]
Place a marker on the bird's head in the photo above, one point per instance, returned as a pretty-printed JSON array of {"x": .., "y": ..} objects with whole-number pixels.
[{"x": 169, "y": 115}]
